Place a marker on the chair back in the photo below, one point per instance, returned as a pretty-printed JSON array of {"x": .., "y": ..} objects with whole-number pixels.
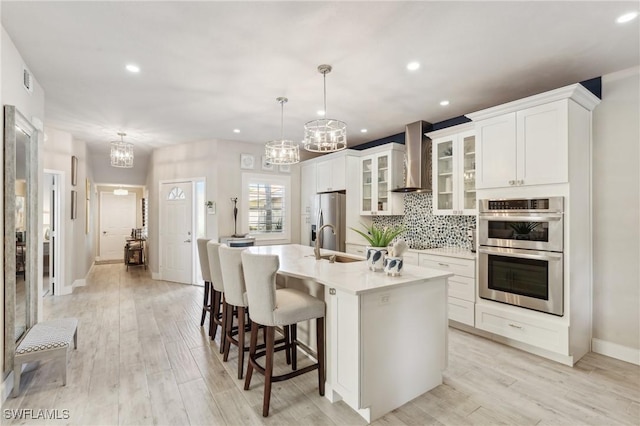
[
  {"x": 204, "y": 260},
  {"x": 214, "y": 266},
  {"x": 260, "y": 272},
  {"x": 232, "y": 277}
]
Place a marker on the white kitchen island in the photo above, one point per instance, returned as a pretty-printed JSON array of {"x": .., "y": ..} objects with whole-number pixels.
[{"x": 386, "y": 337}]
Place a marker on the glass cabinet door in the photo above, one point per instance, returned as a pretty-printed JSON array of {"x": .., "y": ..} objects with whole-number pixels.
[
  {"x": 469, "y": 172},
  {"x": 382, "y": 162},
  {"x": 444, "y": 177},
  {"x": 367, "y": 170}
]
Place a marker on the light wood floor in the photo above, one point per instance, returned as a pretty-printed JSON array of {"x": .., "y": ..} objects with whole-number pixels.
[{"x": 142, "y": 358}]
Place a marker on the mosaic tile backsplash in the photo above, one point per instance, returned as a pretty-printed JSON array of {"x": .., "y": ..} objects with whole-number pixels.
[{"x": 424, "y": 229}]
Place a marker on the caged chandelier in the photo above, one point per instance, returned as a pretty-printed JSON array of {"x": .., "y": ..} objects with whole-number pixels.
[
  {"x": 282, "y": 151},
  {"x": 121, "y": 153},
  {"x": 326, "y": 134}
]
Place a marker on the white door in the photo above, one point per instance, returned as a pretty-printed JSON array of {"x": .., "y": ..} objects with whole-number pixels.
[
  {"x": 117, "y": 218},
  {"x": 176, "y": 228}
]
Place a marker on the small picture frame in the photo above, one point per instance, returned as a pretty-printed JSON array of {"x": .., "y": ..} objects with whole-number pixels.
[
  {"x": 265, "y": 164},
  {"x": 285, "y": 168},
  {"x": 247, "y": 161},
  {"x": 74, "y": 204},
  {"x": 74, "y": 170}
]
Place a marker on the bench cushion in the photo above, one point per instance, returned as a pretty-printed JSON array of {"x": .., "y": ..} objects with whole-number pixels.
[{"x": 48, "y": 335}]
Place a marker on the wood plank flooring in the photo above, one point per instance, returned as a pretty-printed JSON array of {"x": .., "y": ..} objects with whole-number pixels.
[{"x": 143, "y": 359}]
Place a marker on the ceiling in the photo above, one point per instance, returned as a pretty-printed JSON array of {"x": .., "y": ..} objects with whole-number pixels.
[{"x": 208, "y": 68}]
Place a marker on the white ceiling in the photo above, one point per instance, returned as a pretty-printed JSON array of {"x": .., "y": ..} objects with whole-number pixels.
[{"x": 210, "y": 67}]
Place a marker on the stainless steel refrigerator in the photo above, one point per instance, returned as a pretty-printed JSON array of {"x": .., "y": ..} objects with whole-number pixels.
[{"x": 330, "y": 208}]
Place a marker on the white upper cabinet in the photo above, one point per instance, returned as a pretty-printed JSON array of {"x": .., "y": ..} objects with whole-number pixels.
[
  {"x": 331, "y": 174},
  {"x": 527, "y": 142},
  {"x": 307, "y": 187},
  {"x": 454, "y": 171},
  {"x": 380, "y": 173}
]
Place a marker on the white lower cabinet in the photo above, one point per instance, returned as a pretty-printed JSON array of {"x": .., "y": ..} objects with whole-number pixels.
[
  {"x": 461, "y": 287},
  {"x": 525, "y": 328}
]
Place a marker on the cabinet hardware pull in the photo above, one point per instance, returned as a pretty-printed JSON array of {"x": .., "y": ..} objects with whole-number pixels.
[
  {"x": 511, "y": 182},
  {"x": 443, "y": 264},
  {"x": 515, "y": 326},
  {"x": 332, "y": 291},
  {"x": 521, "y": 182}
]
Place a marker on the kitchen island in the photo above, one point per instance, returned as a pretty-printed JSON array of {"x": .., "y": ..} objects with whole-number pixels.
[{"x": 386, "y": 337}]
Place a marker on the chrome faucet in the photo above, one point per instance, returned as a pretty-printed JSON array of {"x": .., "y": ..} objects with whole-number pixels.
[{"x": 316, "y": 249}]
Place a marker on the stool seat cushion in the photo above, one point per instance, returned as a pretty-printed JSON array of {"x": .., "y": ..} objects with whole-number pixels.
[
  {"x": 293, "y": 306},
  {"x": 48, "y": 335}
]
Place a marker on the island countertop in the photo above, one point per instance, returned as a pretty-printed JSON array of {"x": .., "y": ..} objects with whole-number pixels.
[{"x": 353, "y": 277}]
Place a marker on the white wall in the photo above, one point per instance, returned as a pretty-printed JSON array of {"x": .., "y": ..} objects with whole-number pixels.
[
  {"x": 103, "y": 172},
  {"x": 78, "y": 245},
  {"x": 616, "y": 217},
  {"x": 218, "y": 161}
]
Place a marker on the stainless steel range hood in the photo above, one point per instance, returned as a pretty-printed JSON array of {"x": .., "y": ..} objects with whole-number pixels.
[{"x": 417, "y": 164}]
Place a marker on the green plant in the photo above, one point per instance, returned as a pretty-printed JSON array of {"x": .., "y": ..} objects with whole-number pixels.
[
  {"x": 380, "y": 236},
  {"x": 523, "y": 228}
]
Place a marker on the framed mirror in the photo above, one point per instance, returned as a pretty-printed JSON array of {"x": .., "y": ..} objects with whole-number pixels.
[{"x": 20, "y": 230}]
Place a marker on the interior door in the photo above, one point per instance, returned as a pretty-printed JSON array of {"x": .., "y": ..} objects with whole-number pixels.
[
  {"x": 176, "y": 227},
  {"x": 117, "y": 218}
]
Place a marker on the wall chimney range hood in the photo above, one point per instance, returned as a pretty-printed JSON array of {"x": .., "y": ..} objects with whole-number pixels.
[{"x": 417, "y": 160}]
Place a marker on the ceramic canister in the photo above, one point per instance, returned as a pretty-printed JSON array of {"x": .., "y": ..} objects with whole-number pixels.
[
  {"x": 375, "y": 257},
  {"x": 393, "y": 265}
]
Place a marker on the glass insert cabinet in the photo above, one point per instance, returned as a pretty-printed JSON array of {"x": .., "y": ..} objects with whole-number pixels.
[
  {"x": 380, "y": 173},
  {"x": 454, "y": 172}
]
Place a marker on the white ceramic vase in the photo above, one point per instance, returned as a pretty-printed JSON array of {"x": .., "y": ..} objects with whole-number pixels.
[
  {"x": 375, "y": 258},
  {"x": 393, "y": 265}
]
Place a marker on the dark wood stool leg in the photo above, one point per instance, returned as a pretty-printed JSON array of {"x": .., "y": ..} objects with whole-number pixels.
[
  {"x": 252, "y": 354},
  {"x": 228, "y": 309},
  {"x": 320, "y": 346},
  {"x": 205, "y": 301},
  {"x": 287, "y": 342},
  {"x": 268, "y": 371},
  {"x": 241, "y": 318},
  {"x": 294, "y": 346},
  {"x": 215, "y": 312},
  {"x": 223, "y": 331}
]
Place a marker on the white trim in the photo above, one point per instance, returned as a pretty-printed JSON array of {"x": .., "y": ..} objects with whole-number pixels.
[
  {"x": 448, "y": 131},
  {"x": 79, "y": 283},
  {"x": 156, "y": 276},
  {"x": 619, "y": 75},
  {"x": 614, "y": 350},
  {"x": 59, "y": 253}
]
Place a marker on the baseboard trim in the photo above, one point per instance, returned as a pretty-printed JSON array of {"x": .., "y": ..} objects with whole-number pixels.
[
  {"x": 156, "y": 276},
  {"x": 614, "y": 350},
  {"x": 79, "y": 283}
]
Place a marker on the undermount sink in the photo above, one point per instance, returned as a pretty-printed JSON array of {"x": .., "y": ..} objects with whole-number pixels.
[{"x": 338, "y": 258}]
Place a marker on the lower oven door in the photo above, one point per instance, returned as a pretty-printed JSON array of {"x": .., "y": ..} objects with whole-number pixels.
[{"x": 527, "y": 278}]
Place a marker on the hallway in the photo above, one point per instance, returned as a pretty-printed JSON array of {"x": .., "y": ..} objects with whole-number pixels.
[{"x": 142, "y": 358}]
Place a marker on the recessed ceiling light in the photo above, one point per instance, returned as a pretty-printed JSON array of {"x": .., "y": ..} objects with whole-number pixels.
[
  {"x": 363, "y": 130},
  {"x": 444, "y": 103},
  {"x": 320, "y": 112},
  {"x": 133, "y": 68},
  {"x": 627, "y": 17},
  {"x": 236, "y": 130},
  {"x": 412, "y": 66}
]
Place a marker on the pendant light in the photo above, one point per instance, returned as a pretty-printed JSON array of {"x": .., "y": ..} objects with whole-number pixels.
[
  {"x": 122, "y": 153},
  {"x": 326, "y": 134},
  {"x": 282, "y": 151}
]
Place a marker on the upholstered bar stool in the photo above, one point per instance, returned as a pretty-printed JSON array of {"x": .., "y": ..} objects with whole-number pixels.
[
  {"x": 271, "y": 308},
  {"x": 236, "y": 299},
  {"x": 206, "y": 276},
  {"x": 217, "y": 291}
]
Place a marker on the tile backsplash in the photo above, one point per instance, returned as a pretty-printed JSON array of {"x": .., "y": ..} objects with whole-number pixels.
[{"x": 424, "y": 229}]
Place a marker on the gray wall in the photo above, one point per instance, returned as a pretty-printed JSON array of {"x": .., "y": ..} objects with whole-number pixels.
[{"x": 616, "y": 213}]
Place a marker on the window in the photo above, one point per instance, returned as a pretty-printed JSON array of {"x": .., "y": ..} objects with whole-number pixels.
[
  {"x": 176, "y": 194},
  {"x": 266, "y": 206}
]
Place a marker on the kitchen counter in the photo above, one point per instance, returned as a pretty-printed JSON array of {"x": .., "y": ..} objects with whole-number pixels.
[
  {"x": 352, "y": 277},
  {"x": 385, "y": 337}
]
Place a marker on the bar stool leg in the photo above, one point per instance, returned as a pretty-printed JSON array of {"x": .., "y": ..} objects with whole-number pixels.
[
  {"x": 215, "y": 312},
  {"x": 268, "y": 371},
  {"x": 294, "y": 346},
  {"x": 205, "y": 301},
  {"x": 241, "y": 318},
  {"x": 252, "y": 353},
  {"x": 287, "y": 342},
  {"x": 223, "y": 332},
  {"x": 321, "y": 360}
]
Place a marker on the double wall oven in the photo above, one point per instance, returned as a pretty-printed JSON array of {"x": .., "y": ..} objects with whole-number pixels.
[{"x": 520, "y": 252}]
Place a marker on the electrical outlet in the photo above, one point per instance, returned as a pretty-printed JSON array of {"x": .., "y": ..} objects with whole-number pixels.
[{"x": 384, "y": 299}]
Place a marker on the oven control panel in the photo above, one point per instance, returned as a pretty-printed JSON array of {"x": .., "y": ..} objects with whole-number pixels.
[{"x": 549, "y": 204}]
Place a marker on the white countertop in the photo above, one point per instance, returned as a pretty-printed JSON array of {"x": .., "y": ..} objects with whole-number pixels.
[
  {"x": 448, "y": 251},
  {"x": 353, "y": 277}
]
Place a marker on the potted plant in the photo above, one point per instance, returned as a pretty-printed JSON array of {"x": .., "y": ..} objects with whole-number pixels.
[{"x": 379, "y": 238}]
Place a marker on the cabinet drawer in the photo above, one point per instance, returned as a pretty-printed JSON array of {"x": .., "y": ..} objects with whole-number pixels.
[
  {"x": 461, "y": 311},
  {"x": 463, "y": 267},
  {"x": 462, "y": 288},
  {"x": 539, "y": 333}
]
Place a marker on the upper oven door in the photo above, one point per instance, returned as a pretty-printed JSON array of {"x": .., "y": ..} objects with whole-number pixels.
[{"x": 521, "y": 230}]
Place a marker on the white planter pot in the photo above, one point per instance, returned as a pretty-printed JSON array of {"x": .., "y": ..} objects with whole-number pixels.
[
  {"x": 375, "y": 258},
  {"x": 393, "y": 265}
]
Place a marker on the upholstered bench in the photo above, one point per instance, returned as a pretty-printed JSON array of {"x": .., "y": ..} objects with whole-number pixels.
[{"x": 45, "y": 340}]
